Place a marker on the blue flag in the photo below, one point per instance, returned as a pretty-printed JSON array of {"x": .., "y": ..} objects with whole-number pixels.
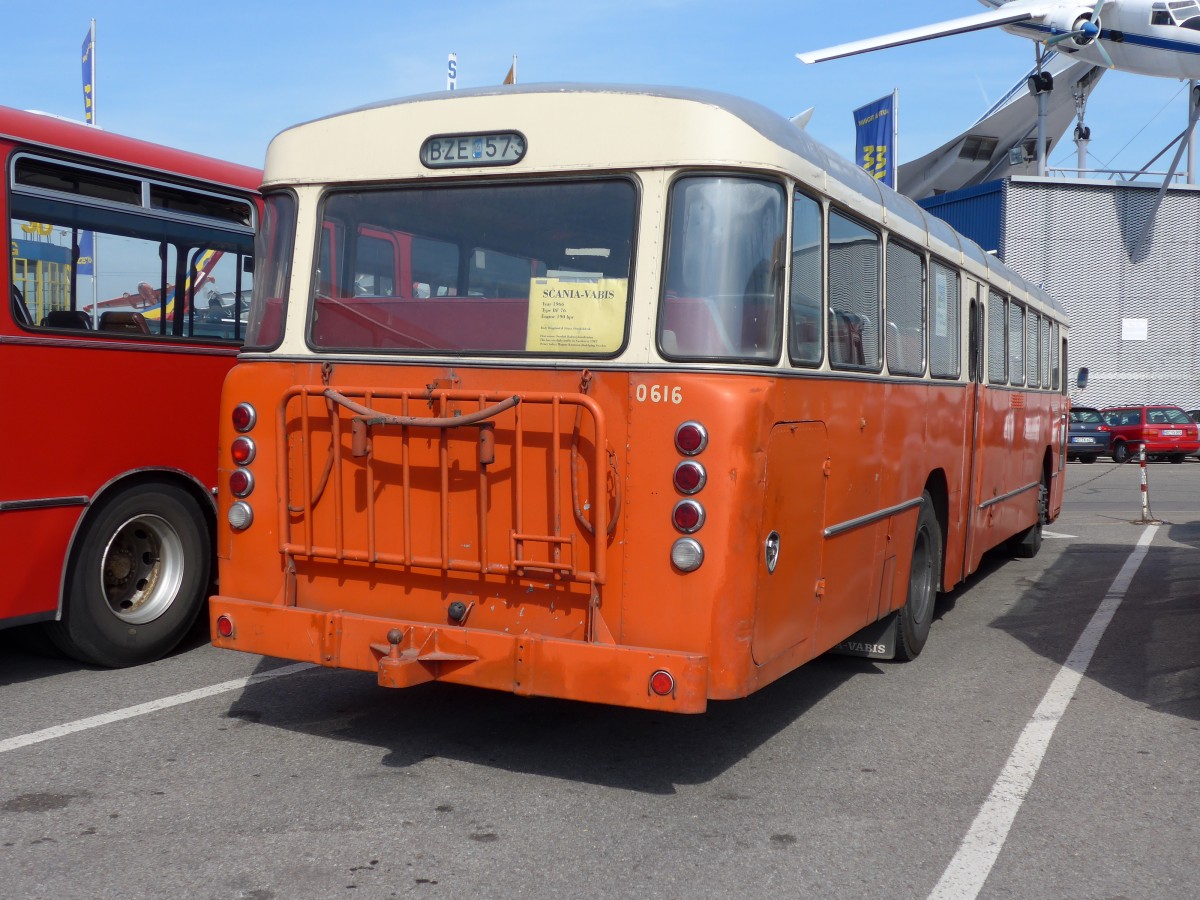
[
  {"x": 85, "y": 265},
  {"x": 89, "y": 75},
  {"x": 875, "y": 145}
]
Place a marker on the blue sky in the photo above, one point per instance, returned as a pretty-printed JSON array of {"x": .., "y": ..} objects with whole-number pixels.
[{"x": 222, "y": 78}]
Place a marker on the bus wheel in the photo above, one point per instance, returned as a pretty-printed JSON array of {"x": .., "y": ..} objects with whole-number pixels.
[
  {"x": 916, "y": 615},
  {"x": 137, "y": 579},
  {"x": 1027, "y": 544}
]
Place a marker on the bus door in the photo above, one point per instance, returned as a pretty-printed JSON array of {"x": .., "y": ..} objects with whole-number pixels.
[
  {"x": 973, "y": 460},
  {"x": 789, "y": 567}
]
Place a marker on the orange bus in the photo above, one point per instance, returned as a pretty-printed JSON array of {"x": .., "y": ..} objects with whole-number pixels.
[
  {"x": 129, "y": 279},
  {"x": 628, "y": 395}
]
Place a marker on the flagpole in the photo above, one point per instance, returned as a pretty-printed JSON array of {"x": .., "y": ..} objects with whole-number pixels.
[
  {"x": 896, "y": 138},
  {"x": 93, "y": 122}
]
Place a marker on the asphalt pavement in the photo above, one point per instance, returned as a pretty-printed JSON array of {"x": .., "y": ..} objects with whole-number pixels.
[{"x": 1045, "y": 744}]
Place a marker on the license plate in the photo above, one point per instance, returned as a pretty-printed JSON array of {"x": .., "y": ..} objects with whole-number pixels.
[
  {"x": 1172, "y": 432},
  {"x": 1083, "y": 440}
]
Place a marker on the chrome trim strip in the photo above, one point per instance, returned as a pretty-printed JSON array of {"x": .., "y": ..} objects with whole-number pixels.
[
  {"x": 1021, "y": 490},
  {"x": 835, "y": 530},
  {"x": 42, "y": 503}
]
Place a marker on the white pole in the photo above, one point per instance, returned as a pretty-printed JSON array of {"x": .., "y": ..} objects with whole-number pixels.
[
  {"x": 95, "y": 238},
  {"x": 896, "y": 138},
  {"x": 1191, "y": 137}
]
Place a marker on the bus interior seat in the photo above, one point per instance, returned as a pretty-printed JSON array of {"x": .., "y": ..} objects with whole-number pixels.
[
  {"x": 67, "y": 318},
  {"x": 19, "y": 310},
  {"x": 846, "y": 338},
  {"x": 124, "y": 321}
]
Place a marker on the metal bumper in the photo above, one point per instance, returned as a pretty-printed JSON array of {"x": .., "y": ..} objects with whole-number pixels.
[{"x": 404, "y": 654}]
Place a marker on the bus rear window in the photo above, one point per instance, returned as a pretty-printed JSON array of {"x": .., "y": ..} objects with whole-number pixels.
[{"x": 509, "y": 269}]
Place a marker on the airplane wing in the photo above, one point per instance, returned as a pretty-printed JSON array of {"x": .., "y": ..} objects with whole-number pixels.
[{"x": 1003, "y": 15}]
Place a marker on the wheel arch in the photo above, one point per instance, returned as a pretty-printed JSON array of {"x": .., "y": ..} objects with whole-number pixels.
[
  {"x": 120, "y": 484},
  {"x": 938, "y": 489}
]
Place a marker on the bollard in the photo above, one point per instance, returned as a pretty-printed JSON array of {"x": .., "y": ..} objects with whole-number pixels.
[{"x": 1147, "y": 517}]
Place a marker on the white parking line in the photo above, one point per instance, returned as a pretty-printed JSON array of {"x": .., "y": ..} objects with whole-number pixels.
[
  {"x": 969, "y": 869},
  {"x": 129, "y": 712}
]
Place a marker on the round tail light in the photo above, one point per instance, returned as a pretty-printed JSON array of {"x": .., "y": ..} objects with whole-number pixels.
[
  {"x": 242, "y": 451},
  {"x": 224, "y": 626},
  {"x": 691, "y": 438},
  {"x": 688, "y": 516},
  {"x": 244, "y": 417},
  {"x": 687, "y": 554},
  {"x": 240, "y": 516},
  {"x": 662, "y": 683},
  {"x": 690, "y": 477},
  {"x": 241, "y": 482}
]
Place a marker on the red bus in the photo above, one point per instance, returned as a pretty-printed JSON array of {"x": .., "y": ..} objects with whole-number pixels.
[
  {"x": 129, "y": 271},
  {"x": 633, "y": 396}
]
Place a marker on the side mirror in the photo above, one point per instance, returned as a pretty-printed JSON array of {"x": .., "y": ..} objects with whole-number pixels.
[{"x": 1082, "y": 378}]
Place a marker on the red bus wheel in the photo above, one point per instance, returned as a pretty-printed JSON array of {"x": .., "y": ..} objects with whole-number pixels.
[{"x": 137, "y": 578}]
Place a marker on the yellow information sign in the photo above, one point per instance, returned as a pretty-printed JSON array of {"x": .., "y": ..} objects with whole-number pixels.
[{"x": 576, "y": 313}]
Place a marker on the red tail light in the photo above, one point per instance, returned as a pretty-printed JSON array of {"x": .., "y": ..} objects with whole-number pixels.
[
  {"x": 242, "y": 451},
  {"x": 224, "y": 626},
  {"x": 241, "y": 483},
  {"x": 244, "y": 417},
  {"x": 662, "y": 683},
  {"x": 688, "y": 516},
  {"x": 691, "y": 438},
  {"x": 690, "y": 477}
]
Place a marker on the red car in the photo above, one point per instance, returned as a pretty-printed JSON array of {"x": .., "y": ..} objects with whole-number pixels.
[{"x": 1167, "y": 431}]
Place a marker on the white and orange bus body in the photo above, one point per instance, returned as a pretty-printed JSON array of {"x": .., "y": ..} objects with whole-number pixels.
[
  {"x": 627, "y": 395},
  {"x": 106, "y": 509}
]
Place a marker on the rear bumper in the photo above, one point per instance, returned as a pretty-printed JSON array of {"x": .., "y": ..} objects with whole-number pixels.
[
  {"x": 404, "y": 654},
  {"x": 1170, "y": 448}
]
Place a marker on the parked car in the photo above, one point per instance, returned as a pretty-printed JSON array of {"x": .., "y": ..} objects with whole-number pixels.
[
  {"x": 1167, "y": 431},
  {"x": 1088, "y": 436}
]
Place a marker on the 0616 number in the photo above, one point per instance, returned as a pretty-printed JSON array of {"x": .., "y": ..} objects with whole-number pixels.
[{"x": 658, "y": 393}]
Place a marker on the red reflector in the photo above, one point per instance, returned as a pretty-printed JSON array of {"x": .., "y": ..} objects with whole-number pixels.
[
  {"x": 691, "y": 438},
  {"x": 242, "y": 451},
  {"x": 688, "y": 516},
  {"x": 662, "y": 683},
  {"x": 689, "y": 477},
  {"x": 241, "y": 482},
  {"x": 224, "y": 626},
  {"x": 243, "y": 417}
]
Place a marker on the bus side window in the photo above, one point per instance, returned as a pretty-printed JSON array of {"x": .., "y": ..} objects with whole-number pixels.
[
  {"x": 854, "y": 294},
  {"x": 945, "y": 316},
  {"x": 905, "y": 303},
  {"x": 724, "y": 268},
  {"x": 997, "y": 348},
  {"x": 805, "y": 332}
]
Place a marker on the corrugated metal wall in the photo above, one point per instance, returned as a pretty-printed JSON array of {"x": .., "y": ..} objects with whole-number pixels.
[{"x": 975, "y": 211}]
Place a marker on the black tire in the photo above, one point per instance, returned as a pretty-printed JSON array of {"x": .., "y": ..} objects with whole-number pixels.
[
  {"x": 916, "y": 615},
  {"x": 1177, "y": 458},
  {"x": 1120, "y": 452},
  {"x": 1027, "y": 544},
  {"x": 1089, "y": 458},
  {"x": 137, "y": 578}
]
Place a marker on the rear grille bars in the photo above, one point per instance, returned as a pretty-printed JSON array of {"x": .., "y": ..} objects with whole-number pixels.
[{"x": 563, "y": 556}]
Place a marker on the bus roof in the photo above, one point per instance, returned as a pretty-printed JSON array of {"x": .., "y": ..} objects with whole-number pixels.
[
  {"x": 51, "y": 132},
  {"x": 601, "y": 122}
]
